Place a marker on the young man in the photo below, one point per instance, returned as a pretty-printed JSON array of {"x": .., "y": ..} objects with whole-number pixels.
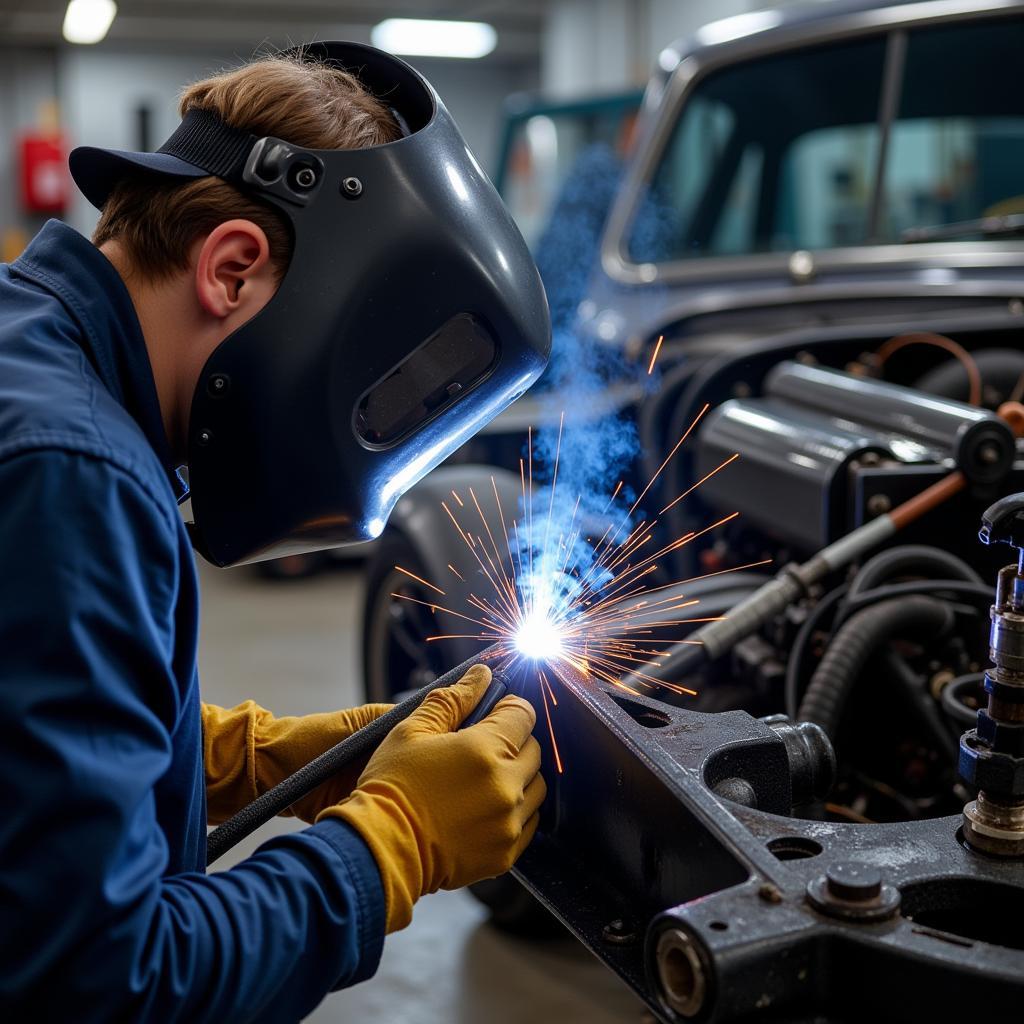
[{"x": 111, "y": 765}]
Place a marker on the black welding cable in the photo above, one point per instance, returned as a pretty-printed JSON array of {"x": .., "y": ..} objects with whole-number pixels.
[
  {"x": 348, "y": 752},
  {"x": 861, "y": 636},
  {"x": 915, "y": 559}
]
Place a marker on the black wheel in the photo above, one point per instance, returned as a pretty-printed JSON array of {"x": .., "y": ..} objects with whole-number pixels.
[
  {"x": 515, "y": 910},
  {"x": 396, "y": 654}
]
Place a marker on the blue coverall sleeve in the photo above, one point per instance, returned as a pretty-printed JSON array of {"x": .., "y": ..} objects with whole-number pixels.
[{"x": 92, "y": 927}]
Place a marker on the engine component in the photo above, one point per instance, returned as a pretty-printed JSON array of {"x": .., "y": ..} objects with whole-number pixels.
[
  {"x": 713, "y": 640},
  {"x": 982, "y": 443},
  {"x": 854, "y": 644},
  {"x": 812, "y": 761},
  {"x": 992, "y": 753},
  {"x": 813, "y": 428}
]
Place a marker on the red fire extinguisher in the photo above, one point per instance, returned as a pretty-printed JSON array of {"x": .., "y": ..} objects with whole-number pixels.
[{"x": 45, "y": 182}]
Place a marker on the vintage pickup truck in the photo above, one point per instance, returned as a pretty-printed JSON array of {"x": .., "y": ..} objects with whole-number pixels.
[{"x": 819, "y": 234}]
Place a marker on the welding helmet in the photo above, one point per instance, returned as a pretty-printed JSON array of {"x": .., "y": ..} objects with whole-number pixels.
[{"x": 410, "y": 315}]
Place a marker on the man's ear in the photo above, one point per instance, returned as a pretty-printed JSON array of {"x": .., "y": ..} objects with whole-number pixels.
[{"x": 234, "y": 276}]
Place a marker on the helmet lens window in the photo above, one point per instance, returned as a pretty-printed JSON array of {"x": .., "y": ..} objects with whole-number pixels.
[{"x": 437, "y": 374}]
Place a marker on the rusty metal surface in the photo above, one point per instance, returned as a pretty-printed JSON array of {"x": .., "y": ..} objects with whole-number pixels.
[{"x": 633, "y": 832}]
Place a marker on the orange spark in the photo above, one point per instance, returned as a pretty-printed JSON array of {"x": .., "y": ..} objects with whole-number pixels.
[
  {"x": 420, "y": 579},
  {"x": 654, "y": 358}
]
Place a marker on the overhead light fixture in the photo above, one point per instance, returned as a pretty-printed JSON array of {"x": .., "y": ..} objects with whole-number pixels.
[
  {"x": 88, "y": 21},
  {"x": 429, "y": 38}
]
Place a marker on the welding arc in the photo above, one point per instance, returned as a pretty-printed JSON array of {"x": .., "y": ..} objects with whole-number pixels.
[{"x": 343, "y": 755}]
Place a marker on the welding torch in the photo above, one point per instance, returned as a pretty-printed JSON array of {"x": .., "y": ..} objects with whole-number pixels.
[
  {"x": 350, "y": 751},
  {"x": 710, "y": 642}
]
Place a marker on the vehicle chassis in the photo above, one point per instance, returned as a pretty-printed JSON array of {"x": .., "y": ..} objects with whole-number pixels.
[{"x": 712, "y": 910}]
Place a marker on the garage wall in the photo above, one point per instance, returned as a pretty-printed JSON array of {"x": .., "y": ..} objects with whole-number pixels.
[
  {"x": 27, "y": 89},
  {"x": 100, "y": 93},
  {"x": 607, "y": 46}
]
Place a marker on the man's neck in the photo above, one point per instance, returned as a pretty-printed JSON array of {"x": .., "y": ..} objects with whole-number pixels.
[{"x": 162, "y": 314}]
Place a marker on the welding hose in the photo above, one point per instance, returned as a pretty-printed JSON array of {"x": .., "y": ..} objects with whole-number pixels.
[
  {"x": 857, "y": 640},
  {"x": 359, "y": 745}
]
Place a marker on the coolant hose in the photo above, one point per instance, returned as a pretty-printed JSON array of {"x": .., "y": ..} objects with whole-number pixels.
[
  {"x": 349, "y": 751},
  {"x": 856, "y": 641},
  {"x": 919, "y": 559}
]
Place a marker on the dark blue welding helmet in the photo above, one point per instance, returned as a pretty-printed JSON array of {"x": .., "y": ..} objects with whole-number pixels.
[{"x": 410, "y": 315}]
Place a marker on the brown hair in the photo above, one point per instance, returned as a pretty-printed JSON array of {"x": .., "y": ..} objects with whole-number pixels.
[{"x": 308, "y": 104}]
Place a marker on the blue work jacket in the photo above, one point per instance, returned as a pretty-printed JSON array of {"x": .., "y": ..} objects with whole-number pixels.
[{"x": 106, "y": 912}]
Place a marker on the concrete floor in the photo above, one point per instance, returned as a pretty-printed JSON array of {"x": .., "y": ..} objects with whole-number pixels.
[{"x": 293, "y": 648}]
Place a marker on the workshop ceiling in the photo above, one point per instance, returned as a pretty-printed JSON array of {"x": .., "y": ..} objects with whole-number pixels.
[{"x": 197, "y": 23}]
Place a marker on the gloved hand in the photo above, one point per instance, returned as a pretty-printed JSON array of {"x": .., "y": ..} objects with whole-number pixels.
[
  {"x": 248, "y": 751},
  {"x": 440, "y": 809}
]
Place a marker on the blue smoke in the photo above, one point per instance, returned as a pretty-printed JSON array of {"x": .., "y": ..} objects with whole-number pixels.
[{"x": 596, "y": 446}]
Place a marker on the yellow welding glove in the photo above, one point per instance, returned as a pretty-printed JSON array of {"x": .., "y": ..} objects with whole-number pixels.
[
  {"x": 440, "y": 808},
  {"x": 247, "y": 751}
]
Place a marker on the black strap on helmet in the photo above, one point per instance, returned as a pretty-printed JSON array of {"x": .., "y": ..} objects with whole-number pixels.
[{"x": 204, "y": 139}]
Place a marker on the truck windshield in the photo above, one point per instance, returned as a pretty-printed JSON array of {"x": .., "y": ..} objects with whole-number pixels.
[{"x": 853, "y": 143}]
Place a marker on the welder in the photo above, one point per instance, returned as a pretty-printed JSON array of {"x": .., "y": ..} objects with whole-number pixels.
[{"x": 308, "y": 297}]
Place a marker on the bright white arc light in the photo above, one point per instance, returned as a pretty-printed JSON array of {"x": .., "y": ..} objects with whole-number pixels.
[
  {"x": 538, "y": 638},
  {"x": 430, "y": 38},
  {"x": 88, "y": 21}
]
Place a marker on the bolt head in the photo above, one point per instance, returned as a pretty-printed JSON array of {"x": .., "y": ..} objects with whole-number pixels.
[
  {"x": 879, "y": 504},
  {"x": 618, "y": 932},
  {"x": 848, "y": 880},
  {"x": 854, "y": 892}
]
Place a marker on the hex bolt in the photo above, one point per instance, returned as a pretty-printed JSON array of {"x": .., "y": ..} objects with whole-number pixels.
[{"x": 351, "y": 187}]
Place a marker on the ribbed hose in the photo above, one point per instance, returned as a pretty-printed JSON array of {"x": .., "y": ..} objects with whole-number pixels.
[
  {"x": 858, "y": 639},
  {"x": 359, "y": 745}
]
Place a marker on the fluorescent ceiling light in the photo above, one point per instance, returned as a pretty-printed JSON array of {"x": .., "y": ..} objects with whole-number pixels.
[
  {"x": 87, "y": 21},
  {"x": 430, "y": 38}
]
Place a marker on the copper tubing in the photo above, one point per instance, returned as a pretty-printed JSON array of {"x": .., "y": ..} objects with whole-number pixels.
[
  {"x": 956, "y": 350},
  {"x": 931, "y": 497},
  {"x": 1012, "y": 413}
]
